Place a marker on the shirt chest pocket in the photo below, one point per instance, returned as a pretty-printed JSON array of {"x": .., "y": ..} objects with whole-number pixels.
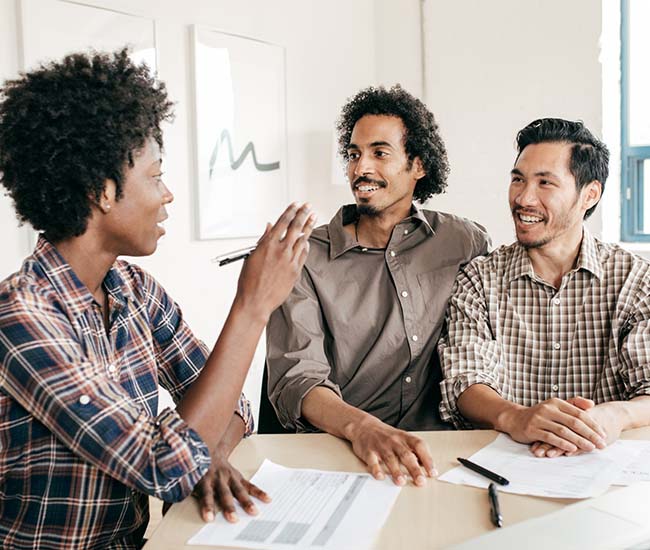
[{"x": 436, "y": 286}]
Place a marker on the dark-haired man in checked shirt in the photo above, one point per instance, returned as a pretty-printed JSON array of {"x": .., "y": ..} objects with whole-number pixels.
[{"x": 548, "y": 339}]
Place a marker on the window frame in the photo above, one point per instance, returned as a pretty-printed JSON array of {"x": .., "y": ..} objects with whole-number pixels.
[{"x": 632, "y": 157}]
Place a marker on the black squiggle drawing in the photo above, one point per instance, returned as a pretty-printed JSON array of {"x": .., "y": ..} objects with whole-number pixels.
[{"x": 235, "y": 164}]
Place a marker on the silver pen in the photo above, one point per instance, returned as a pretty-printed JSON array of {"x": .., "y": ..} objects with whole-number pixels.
[{"x": 234, "y": 255}]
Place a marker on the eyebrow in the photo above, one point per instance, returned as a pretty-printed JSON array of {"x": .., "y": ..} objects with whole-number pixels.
[
  {"x": 517, "y": 172},
  {"x": 373, "y": 144}
]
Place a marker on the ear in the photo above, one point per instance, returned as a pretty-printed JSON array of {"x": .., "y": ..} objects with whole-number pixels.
[
  {"x": 107, "y": 196},
  {"x": 591, "y": 194},
  {"x": 418, "y": 169}
]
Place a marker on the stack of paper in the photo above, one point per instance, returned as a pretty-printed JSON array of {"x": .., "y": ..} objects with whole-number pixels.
[
  {"x": 580, "y": 476},
  {"x": 310, "y": 509}
]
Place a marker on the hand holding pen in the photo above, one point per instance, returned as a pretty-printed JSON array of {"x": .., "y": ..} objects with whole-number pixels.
[
  {"x": 236, "y": 255},
  {"x": 273, "y": 267}
]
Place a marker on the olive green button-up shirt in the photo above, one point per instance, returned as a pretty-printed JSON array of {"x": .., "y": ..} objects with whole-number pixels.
[{"x": 365, "y": 322}]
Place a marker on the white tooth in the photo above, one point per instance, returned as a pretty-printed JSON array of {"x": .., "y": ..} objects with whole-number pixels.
[{"x": 529, "y": 219}]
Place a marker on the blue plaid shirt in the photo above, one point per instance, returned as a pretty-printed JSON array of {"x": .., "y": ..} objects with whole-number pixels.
[{"x": 81, "y": 444}]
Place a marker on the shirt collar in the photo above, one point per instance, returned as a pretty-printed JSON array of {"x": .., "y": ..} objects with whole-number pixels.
[
  {"x": 73, "y": 292},
  {"x": 588, "y": 259},
  {"x": 341, "y": 241},
  {"x": 418, "y": 214},
  {"x": 519, "y": 265}
]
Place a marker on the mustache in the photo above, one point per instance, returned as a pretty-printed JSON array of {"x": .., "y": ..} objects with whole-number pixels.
[
  {"x": 527, "y": 212},
  {"x": 366, "y": 179}
]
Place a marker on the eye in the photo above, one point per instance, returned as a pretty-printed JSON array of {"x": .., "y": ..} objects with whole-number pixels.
[
  {"x": 353, "y": 155},
  {"x": 516, "y": 179},
  {"x": 381, "y": 154},
  {"x": 158, "y": 177}
]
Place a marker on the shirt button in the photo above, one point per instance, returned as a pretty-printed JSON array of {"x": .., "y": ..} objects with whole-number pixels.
[
  {"x": 414, "y": 337},
  {"x": 406, "y": 232},
  {"x": 557, "y": 345},
  {"x": 404, "y": 293},
  {"x": 392, "y": 253},
  {"x": 556, "y": 301},
  {"x": 84, "y": 400},
  {"x": 555, "y": 387},
  {"x": 111, "y": 368},
  {"x": 364, "y": 249},
  {"x": 407, "y": 379}
]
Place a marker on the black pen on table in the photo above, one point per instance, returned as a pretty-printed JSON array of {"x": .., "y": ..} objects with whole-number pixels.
[
  {"x": 495, "y": 511},
  {"x": 483, "y": 471}
]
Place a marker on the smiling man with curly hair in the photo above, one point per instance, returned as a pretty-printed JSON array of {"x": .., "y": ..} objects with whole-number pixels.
[{"x": 352, "y": 350}]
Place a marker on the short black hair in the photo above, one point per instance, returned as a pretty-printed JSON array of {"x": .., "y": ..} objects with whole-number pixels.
[
  {"x": 421, "y": 139},
  {"x": 589, "y": 156},
  {"x": 67, "y": 127}
]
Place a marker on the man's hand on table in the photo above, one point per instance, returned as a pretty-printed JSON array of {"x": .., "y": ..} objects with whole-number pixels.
[
  {"x": 568, "y": 426},
  {"x": 605, "y": 415},
  {"x": 221, "y": 486},
  {"x": 378, "y": 444}
]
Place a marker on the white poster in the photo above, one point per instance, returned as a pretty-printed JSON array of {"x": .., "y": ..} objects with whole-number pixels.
[{"x": 241, "y": 134}]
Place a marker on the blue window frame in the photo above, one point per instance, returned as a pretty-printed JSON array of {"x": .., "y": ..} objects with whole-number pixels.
[{"x": 635, "y": 121}]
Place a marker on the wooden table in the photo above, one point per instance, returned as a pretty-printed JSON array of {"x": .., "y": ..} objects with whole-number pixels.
[{"x": 435, "y": 516}]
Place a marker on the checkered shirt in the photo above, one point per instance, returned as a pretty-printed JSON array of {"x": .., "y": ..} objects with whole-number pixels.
[
  {"x": 512, "y": 331},
  {"x": 81, "y": 446}
]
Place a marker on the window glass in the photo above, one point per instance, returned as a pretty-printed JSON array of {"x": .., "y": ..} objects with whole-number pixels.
[{"x": 639, "y": 74}]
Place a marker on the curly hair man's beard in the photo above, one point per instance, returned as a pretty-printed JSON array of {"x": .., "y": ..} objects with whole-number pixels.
[{"x": 367, "y": 210}]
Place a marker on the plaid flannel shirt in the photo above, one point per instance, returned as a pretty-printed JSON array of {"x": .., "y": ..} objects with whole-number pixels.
[
  {"x": 81, "y": 444},
  {"x": 511, "y": 330}
]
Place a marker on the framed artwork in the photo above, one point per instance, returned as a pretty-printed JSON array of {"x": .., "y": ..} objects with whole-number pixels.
[
  {"x": 241, "y": 135},
  {"x": 81, "y": 27}
]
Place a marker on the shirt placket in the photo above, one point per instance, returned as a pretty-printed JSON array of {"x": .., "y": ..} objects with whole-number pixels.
[
  {"x": 406, "y": 296},
  {"x": 554, "y": 314},
  {"x": 117, "y": 337},
  {"x": 106, "y": 343}
]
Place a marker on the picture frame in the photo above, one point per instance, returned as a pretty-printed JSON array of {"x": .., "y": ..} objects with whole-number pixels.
[{"x": 240, "y": 134}]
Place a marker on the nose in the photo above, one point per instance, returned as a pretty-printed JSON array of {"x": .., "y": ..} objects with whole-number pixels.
[
  {"x": 526, "y": 195},
  {"x": 167, "y": 195},
  {"x": 363, "y": 166}
]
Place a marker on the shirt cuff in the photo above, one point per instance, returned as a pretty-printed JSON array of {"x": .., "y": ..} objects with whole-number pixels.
[
  {"x": 289, "y": 403},
  {"x": 181, "y": 457},
  {"x": 245, "y": 411},
  {"x": 453, "y": 388}
]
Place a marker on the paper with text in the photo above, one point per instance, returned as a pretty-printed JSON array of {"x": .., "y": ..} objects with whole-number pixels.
[
  {"x": 639, "y": 470},
  {"x": 310, "y": 509},
  {"x": 580, "y": 476}
]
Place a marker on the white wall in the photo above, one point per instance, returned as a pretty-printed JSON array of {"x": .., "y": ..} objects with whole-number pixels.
[
  {"x": 15, "y": 241},
  {"x": 493, "y": 67},
  {"x": 333, "y": 49},
  {"x": 490, "y": 68}
]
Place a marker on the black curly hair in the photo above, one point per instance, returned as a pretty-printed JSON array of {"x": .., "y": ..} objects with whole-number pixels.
[
  {"x": 67, "y": 127},
  {"x": 421, "y": 139}
]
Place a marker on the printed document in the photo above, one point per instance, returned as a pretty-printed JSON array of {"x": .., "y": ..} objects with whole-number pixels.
[
  {"x": 310, "y": 509},
  {"x": 580, "y": 476},
  {"x": 639, "y": 470}
]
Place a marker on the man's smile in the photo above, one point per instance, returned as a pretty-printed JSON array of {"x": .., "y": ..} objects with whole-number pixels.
[
  {"x": 527, "y": 218},
  {"x": 365, "y": 187}
]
